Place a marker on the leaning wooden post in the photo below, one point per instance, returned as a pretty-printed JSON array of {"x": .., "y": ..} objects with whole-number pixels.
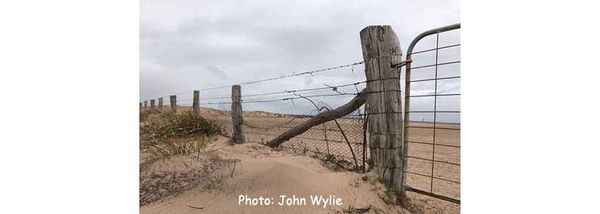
[
  {"x": 173, "y": 101},
  {"x": 236, "y": 115},
  {"x": 381, "y": 52},
  {"x": 160, "y": 103},
  {"x": 196, "y": 104},
  {"x": 152, "y": 103},
  {"x": 145, "y": 103}
]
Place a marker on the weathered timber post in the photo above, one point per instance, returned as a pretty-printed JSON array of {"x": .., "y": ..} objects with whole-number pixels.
[
  {"x": 196, "y": 104},
  {"x": 381, "y": 52},
  {"x": 160, "y": 103},
  {"x": 152, "y": 103},
  {"x": 145, "y": 103},
  {"x": 173, "y": 101},
  {"x": 236, "y": 115}
]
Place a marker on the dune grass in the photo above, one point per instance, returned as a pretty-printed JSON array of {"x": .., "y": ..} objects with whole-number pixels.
[{"x": 163, "y": 134}]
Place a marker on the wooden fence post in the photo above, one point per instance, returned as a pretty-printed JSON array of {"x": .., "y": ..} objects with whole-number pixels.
[
  {"x": 160, "y": 103},
  {"x": 236, "y": 115},
  {"x": 381, "y": 52},
  {"x": 173, "y": 100},
  {"x": 145, "y": 103},
  {"x": 196, "y": 104},
  {"x": 152, "y": 103}
]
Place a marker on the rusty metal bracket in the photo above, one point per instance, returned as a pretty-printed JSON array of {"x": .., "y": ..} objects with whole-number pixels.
[{"x": 403, "y": 63}]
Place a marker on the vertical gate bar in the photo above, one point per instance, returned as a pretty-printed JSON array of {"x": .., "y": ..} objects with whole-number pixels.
[
  {"x": 407, "y": 82},
  {"x": 437, "y": 40}
]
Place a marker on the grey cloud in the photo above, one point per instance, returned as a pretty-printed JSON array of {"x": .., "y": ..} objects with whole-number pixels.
[
  {"x": 215, "y": 70},
  {"x": 186, "y": 45}
]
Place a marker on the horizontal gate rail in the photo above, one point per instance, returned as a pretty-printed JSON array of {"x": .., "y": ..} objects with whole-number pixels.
[
  {"x": 437, "y": 144},
  {"x": 436, "y": 64},
  {"x": 456, "y": 201},
  {"x": 433, "y": 49},
  {"x": 442, "y": 78},
  {"x": 435, "y": 95}
]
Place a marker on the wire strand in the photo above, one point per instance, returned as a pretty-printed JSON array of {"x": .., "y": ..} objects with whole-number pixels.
[{"x": 287, "y": 76}]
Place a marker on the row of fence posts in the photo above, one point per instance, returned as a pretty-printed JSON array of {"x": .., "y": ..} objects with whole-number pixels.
[
  {"x": 236, "y": 110},
  {"x": 381, "y": 53}
]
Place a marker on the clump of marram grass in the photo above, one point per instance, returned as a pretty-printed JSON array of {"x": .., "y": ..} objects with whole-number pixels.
[
  {"x": 169, "y": 125},
  {"x": 167, "y": 134},
  {"x": 174, "y": 147}
]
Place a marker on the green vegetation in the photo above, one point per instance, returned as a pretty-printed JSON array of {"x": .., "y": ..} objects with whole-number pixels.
[
  {"x": 168, "y": 125},
  {"x": 166, "y": 134}
]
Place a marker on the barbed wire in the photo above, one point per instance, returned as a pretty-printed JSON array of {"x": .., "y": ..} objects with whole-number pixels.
[
  {"x": 273, "y": 78},
  {"x": 333, "y": 87},
  {"x": 287, "y": 76},
  {"x": 400, "y": 64}
]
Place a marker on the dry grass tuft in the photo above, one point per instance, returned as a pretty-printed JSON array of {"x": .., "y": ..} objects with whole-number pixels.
[
  {"x": 147, "y": 112},
  {"x": 167, "y": 134},
  {"x": 170, "y": 125},
  {"x": 174, "y": 147}
]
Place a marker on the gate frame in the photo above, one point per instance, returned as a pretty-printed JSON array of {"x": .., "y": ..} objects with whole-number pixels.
[{"x": 405, "y": 127}]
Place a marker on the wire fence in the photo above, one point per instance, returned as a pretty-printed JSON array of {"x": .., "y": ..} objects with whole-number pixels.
[
  {"x": 431, "y": 112},
  {"x": 340, "y": 141}
]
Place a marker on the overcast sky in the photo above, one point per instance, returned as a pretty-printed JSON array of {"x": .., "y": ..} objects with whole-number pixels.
[{"x": 195, "y": 44}]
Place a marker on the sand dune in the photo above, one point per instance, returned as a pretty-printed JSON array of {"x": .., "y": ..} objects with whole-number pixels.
[{"x": 264, "y": 172}]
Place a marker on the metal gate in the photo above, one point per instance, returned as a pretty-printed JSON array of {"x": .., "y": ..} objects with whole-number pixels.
[{"x": 431, "y": 163}]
